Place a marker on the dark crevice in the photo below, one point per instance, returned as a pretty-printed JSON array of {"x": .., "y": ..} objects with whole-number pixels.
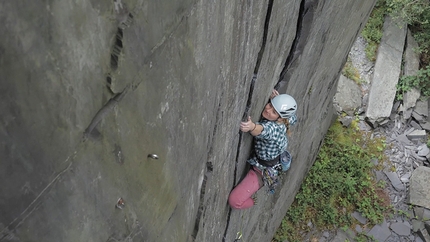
[
  {"x": 259, "y": 57},
  {"x": 208, "y": 172},
  {"x": 209, "y": 169},
  {"x": 293, "y": 53},
  {"x": 266, "y": 29},
  {"x": 209, "y": 166},
  {"x": 173, "y": 213},
  {"x": 116, "y": 50},
  {"x": 119, "y": 36},
  {"x": 113, "y": 61},
  {"x": 109, "y": 80},
  {"x": 249, "y": 100},
  {"x": 90, "y": 131}
]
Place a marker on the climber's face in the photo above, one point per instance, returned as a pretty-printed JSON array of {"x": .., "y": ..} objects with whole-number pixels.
[{"x": 270, "y": 113}]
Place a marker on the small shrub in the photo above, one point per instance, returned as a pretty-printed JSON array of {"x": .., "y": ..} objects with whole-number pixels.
[
  {"x": 421, "y": 81},
  {"x": 351, "y": 72},
  {"x": 416, "y": 13}
]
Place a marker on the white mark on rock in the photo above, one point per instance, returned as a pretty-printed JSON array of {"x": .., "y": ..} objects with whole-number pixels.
[
  {"x": 26, "y": 188},
  {"x": 118, "y": 5},
  {"x": 165, "y": 107}
]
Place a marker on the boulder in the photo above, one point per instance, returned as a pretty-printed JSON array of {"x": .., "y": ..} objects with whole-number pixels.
[
  {"x": 395, "y": 180},
  {"x": 417, "y": 134},
  {"x": 380, "y": 232},
  {"x": 419, "y": 190},
  {"x": 348, "y": 96},
  {"x": 387, "y": 71},
  {"x": 401, "y": 228},
  {"x": 410, "y": 68},
  {"x": 342, "y": 236},
  {"x": 422, "y": 109}
]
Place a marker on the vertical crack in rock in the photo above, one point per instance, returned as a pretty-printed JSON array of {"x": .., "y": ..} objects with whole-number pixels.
[
  {"x": 259, "y": 57},
  {"x": 114, "y": 56},
  {"x": 304, "y": 16},
  {"x": 125, "y": 19},
  {"x": 209, "y": 169},
  {"x": 208, "y": 172},
  {"x": 249, "y": 100},
  {"x": 116, "y": 50},
  {"x": 266, "y": 29},
  {"x": 109, "y": 80}
]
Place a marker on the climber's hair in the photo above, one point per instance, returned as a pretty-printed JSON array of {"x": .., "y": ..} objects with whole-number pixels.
[{"x": 287, "y": 124}]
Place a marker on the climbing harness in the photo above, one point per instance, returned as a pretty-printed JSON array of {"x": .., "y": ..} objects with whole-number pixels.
[{"x": 271, "y": 173}]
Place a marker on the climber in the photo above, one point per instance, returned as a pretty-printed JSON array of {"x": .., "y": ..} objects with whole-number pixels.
[{"x": 270, "y": 144}]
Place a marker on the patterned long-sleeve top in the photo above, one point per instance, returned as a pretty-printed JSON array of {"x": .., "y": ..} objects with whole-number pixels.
[{"x": 270, "y": 143}]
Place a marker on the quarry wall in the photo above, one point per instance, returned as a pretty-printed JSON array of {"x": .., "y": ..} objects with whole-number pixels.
[{"x": 141, "y": 100}]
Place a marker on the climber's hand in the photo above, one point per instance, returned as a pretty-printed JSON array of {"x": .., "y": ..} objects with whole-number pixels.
[
  {"x": 274, "y": 94},
  {"x": 247, "y": 125}
]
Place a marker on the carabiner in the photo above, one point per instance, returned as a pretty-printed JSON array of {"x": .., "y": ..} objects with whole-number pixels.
[{"x": 238, "y": 236}]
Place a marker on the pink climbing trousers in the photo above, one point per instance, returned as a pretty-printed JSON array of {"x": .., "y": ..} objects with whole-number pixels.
[{"x": 240, "y": 196}]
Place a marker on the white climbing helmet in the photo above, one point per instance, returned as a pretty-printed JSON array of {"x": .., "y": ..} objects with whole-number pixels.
[{"x": 285, "y": 105}]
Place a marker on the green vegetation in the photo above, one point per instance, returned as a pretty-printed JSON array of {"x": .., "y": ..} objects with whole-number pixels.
[
  {"x": 416, "y": 13},
  {"x": 372, "y": 31},
  {"x": 340, "y": 182},
  {"x": 421, "y": 81},
  {"x": 351, "y": 72}
]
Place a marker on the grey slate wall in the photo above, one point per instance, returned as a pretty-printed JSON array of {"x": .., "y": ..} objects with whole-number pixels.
[{"x": 90, "y": 88}]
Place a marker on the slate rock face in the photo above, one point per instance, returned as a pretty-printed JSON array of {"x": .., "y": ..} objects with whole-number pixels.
[
  {"x": 94, "y": 92},
  {"x": 387, "y": 71}
]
